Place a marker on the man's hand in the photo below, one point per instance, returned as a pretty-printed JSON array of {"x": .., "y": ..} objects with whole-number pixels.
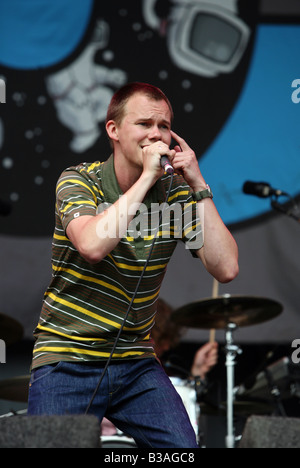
[
  {"x": 152, "y": 156},
  {"x": 205, "y": 359},
  {"x": 186, "y": 164},
  {"x": 219, "y": 253}
]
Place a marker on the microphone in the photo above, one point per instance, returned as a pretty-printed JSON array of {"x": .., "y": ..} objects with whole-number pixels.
[
  {"x": 166, "y": 165},
  {"x": 261, "y": 190}
]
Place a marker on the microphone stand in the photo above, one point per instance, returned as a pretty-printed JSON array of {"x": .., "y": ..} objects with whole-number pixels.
[
  {"x": 286, "y": 208},
  {"x": 232, "y": 351}
]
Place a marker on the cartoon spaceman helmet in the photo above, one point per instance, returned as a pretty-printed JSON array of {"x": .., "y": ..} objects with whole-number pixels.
[{"x": 204, "y": 37}]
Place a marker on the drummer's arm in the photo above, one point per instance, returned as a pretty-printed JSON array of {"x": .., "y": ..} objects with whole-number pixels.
[{"x": 204, "y": 360}]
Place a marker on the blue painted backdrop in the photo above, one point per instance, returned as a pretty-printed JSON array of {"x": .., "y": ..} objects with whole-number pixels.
[{"x": 261, "y": 139}]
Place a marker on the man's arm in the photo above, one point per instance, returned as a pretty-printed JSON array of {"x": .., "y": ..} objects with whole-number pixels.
[
  {"x": 219, "y": 253},
  {"x": 96, "y": 236}
]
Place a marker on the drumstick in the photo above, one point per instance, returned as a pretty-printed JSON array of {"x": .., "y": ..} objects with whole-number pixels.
[{"x": 215, "y": 293}]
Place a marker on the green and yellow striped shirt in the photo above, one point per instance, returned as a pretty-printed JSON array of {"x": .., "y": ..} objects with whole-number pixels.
[{"x": 84, "y": 305}]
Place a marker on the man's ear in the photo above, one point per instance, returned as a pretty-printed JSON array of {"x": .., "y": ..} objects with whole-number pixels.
[{"x": 112, "y": 130}]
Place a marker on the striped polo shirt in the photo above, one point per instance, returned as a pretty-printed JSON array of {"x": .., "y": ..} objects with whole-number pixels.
[{"x": 84, "y": 305}]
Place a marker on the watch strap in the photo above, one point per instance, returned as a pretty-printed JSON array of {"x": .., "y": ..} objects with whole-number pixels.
[{"x": 198, "y": 196}]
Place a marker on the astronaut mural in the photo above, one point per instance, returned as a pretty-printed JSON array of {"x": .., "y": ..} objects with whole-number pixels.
[
  {"x": 58, "y": 93},
  {"x": 216, "y": 59},
  {"x": 210, "y": 38},
  {"x": 81, "y": 92}
]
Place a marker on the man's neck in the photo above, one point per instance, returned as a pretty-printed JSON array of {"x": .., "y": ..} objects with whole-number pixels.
[{"x": 126, "y": 175}]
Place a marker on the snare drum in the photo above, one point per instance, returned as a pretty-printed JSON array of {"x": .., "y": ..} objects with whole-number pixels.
[{"x": 188, "y": 395}]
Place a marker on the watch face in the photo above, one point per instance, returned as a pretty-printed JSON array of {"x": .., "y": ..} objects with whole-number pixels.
[{"x": 209, "y": 193}]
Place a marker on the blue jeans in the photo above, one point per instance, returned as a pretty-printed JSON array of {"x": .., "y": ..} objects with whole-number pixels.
[{"x": 136, "y": 396}]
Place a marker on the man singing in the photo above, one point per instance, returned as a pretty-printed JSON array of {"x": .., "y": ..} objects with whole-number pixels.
[{"x": 101, "y": 247}]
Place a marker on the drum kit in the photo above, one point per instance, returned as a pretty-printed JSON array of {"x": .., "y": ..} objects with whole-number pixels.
[{"x": 226, "y": 313}]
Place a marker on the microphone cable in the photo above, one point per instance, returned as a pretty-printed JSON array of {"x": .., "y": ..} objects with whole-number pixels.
[{"x": 132, "y": 300}]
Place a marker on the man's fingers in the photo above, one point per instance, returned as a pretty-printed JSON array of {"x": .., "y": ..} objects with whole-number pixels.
[
  {"x": 177, "y": 149},
  {"x": 181, "y": 142}
]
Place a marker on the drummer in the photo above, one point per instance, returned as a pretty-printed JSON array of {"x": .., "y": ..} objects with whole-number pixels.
[{"x": 166, "y": 335}]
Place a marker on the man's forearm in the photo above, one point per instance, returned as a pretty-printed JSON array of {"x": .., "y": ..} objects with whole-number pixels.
[
  {"x": 96, "y": 236},
  {"x": 220, "y": 252}
]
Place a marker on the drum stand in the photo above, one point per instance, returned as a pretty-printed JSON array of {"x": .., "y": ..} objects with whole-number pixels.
[
  {"x": 227, "y": 313},
  {"x": 231, "y": 352}
]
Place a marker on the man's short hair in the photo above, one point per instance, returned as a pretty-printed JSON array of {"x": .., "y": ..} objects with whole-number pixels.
[{"x": 116, "y": 109}]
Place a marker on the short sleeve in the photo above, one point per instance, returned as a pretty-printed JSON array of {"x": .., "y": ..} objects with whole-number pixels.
[{"x": 76, "y": 196}]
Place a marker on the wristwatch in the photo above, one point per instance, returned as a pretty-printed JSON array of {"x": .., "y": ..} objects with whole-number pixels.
[{"x": 207, "y": 193}]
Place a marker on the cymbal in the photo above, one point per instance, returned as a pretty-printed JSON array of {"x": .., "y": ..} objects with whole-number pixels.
[
  {"x": 15, "y": 389},
  {"x": 218, "y": 313},
  {"x": 11, "y": 331}
]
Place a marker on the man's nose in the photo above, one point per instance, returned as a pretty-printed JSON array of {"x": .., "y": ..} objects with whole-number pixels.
[{"x": 155, "y": 133}]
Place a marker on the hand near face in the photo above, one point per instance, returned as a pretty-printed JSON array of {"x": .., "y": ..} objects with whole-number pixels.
[{"x": 186, "y": 164}]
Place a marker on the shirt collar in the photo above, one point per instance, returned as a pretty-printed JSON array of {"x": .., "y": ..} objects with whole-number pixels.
[{"x": 112, "y": 191}]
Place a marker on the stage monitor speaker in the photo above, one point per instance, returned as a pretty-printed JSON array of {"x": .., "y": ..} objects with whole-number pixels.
[
  {"x": 271, "y": 432},
  {"x": 49, "y": 432}
]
